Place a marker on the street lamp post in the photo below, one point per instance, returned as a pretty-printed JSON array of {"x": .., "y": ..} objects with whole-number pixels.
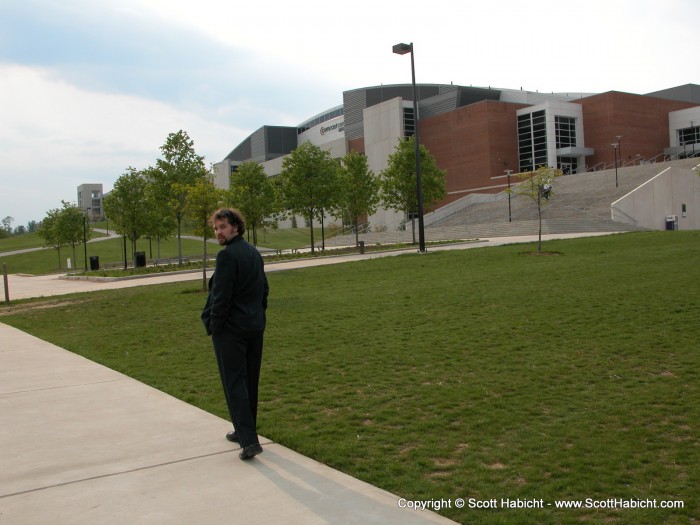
[
  {"x": 615, "y": 146},
  {"x": 85, "y": 239},
  {"x": 402, "y": 49},
  {"x": 507, "y": 174}
]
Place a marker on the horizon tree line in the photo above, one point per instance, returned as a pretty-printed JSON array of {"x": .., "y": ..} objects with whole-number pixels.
[{"x": 153, "y": 202}]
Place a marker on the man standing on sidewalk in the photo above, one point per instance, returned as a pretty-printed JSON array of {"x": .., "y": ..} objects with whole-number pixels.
[{"x": 234, "y": 316}]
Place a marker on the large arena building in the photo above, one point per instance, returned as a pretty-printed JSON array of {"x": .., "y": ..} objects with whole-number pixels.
[{"x": 479, "y": 134}]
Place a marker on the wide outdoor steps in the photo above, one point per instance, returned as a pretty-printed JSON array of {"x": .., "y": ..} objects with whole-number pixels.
[{"x": 580, "y": 204}]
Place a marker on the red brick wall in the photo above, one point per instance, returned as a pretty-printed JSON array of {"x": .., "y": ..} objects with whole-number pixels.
[
  {"x": 641, "y": 121},
  {"x": 473, "y": 144},
  {"x": 357, "y": 145}
]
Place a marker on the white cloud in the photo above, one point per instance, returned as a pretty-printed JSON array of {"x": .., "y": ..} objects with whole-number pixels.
[
  {"x": 109, "y": 80},
  {"x": 63, "y": 136}
]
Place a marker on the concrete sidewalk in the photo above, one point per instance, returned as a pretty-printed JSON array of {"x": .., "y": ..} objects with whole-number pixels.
[{"x": 83, "y": 444}]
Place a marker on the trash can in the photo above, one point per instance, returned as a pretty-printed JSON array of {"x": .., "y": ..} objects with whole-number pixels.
[
  {"x": 94, "y": 262},
  {"x": 671, "y": 222},
  {"x": 140, "y": 259},
  {"x": 362, "y": 246}
]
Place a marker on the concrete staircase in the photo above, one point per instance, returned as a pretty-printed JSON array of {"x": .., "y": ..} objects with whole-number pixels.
[{"x": 580, "y": 203}]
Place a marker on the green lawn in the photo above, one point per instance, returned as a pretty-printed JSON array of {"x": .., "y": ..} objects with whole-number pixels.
[{"x": 483, "y": 373}]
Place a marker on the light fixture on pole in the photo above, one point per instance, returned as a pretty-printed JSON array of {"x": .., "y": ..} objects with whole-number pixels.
[
  {"x": 615, "y": 146},
  {"x": 402, "y": 49}
]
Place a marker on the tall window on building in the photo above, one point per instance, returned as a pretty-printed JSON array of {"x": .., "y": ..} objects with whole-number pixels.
[
  {"x": 409, "y": 122},
  {"x": 689, "y": 139},
  {"x": 532, "y": 141},
  {"x": 565, "y": 129}
]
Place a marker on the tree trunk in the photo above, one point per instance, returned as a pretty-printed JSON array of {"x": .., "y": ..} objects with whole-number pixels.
[
  {"x": 539, "y": 213},
  {"x": 311, "y": 224},
  {"x": 204, "y": 267},
  {"x": 179, "y": 239},
  {"x": 323, "y": 233},
  {"x": 357, "y": 234}
]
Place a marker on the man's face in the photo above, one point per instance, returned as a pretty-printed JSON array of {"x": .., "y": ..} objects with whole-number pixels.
[{"x": 224, "y": 231}]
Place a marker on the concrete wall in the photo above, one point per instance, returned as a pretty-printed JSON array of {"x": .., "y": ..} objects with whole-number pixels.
[
  {"x": 664, "y": 195},
  {"x": 383, "y": 127}
]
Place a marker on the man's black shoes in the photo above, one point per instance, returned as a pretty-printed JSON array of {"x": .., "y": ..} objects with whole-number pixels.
[
  {"x": 250, "y": 451},
  {"x": 246, "y": 452}
]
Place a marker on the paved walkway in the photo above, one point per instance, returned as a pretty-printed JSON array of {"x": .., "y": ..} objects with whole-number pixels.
[
  {"x": 83, "y": 444},
  {"x": 27, "y": 286}
]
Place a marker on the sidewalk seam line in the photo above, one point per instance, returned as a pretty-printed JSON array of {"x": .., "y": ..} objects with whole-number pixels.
[{"x": 138, "y": 469}]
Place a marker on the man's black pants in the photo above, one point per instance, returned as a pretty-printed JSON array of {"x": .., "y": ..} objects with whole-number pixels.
[{"x": 239, "y": 356}]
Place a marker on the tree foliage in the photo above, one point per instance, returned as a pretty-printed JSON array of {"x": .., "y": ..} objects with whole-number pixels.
[
  {"x": 50, "y": 232},
  {"x": 179, "y": 168},
  {"x": 253, "y": 193},
  {"x": 308, "y": 183},
  {"x": 399, "y": 182},
  {"x": 359, "y": 190},
  {"x": 7, "y": 225},
  {"x": 202, "y": 199},
  {"x": 128, "y": 206}
]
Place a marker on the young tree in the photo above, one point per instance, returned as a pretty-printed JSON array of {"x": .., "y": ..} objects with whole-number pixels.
[
  {"x": 7, "y": 224},
  {"x": 127, "y": 206},
  {"x": 253, "y": 193},
  {"x": 307, "y": 183},
  {"x": 537, "y": 186},
  {"x": 161, "y": 223},
  {"x": 203, "y": 198},
  {"x": 180, "y": 167},
  {"x": 399, "y": 182},
  {"x": 49, "y": 231},
  {"x": 71, "y": 225},
  {"x": 359, "y": 190}
]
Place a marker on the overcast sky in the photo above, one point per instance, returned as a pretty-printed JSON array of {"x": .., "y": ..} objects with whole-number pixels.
[{"x": 91, "y": 87}]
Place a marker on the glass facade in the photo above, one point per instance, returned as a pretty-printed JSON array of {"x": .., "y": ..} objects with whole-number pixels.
[
  {"x": 565, "y": 128},
  {"x": 565, "y": 131},
  {"x": 409, "y": 123},
  {"x": 532, "y": 140},
  {"x": 689, "y": 136}
]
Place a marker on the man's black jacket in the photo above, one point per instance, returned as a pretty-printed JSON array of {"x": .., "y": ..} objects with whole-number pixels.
[{"x": 238, "y": 290}]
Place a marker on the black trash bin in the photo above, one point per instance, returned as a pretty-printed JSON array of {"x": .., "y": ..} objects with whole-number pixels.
[
  {"x": 140, "y": 259},
  {"x": 94, "y": 262},
  {"x": 362, "y": 246}
]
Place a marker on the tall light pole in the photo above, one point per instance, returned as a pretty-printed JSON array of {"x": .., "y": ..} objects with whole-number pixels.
[
  {"x": 619, "y": 150},
  {"x": 402, "y": 49},
  {"x": 85, "y": 239},
  {"x": 615, "y": 146},
  {"x": 508, "y": 172}
]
